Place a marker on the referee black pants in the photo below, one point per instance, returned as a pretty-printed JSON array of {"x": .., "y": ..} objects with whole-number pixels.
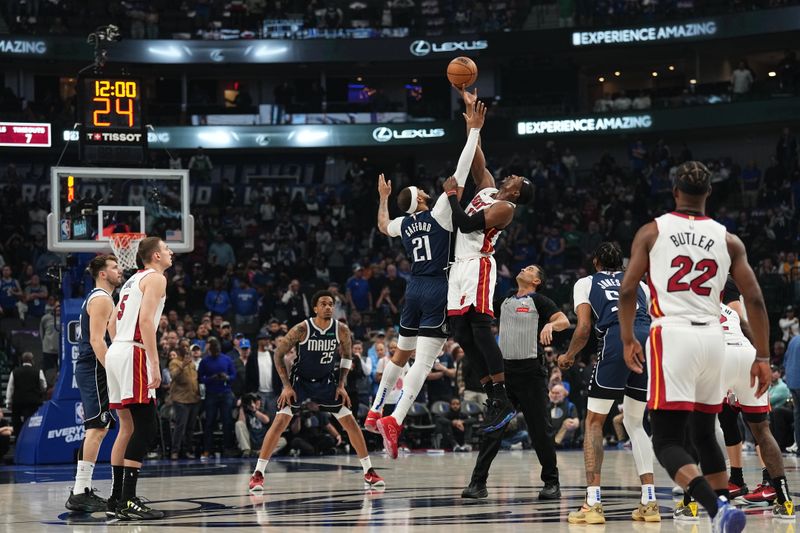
[{"x": 526, "y": 385}]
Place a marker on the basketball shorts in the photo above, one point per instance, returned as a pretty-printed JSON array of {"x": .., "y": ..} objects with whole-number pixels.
[
  {"x": 611, "y": 377},
  {"x": 471, "y": 284},
  {"x": 321, "y": 391},
  {"x": 684, "y": 364},
  {"x": 739, "y": 358},
  {"x": 425, "y": 308},
  {"x": 90, "y": 377},
  {"x": 128, "y": 375}
]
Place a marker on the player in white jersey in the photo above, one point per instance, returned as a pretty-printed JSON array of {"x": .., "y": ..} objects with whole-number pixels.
[
  {"x": 688, "y": 256},
  {"x": 474, "y": 274},
  {"x": 133, "y": 370}
]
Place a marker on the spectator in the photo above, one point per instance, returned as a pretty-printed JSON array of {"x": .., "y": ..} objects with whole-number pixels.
[
  {"x": 455, "y": 428},
  {"x": 217, "y": 373},
  {"x": 778, "y": 352},
  {"x": 296, "y": 303},
  {"x": 220, "y": 253},
  {"x": 339, "y": 303},
  {"x": 789, "y": 324},
  {"x": 184, "y": 393},
  {"x": 200, "y": 166},
  {"x": 217, "y": 300},
  {"x": 241, "y": 354},
  {"x": 751, "y": 180},
  {"x": 35, "y": 297},
  {"x": 790, "y": 269},
  {"x": 564, "y": 416},
  {"x": 786, "y": 151},
  {"x": 312, "y": 432},
  {"x": 245, "y": 307},
  {"x": 10, "y": 294},
  {"x": 741, "y": 81},
  {"x": 791, "y": 366},
  {"x": 440, "y": 380},
  {"x": 358, "y": 293},
  {"x": 262, "y": 376},
  {"x": 553, "y": 246},
  {"x": 50, "y": 333},
  {"x": 26, "y": 385},
  {"x": 365, "y": 381},
  {"x": 252, "y": 426},
  {"x": 570, "y": 163},
  {"x": 516, "y": 433},
  {"x": 5, "y": 436}
]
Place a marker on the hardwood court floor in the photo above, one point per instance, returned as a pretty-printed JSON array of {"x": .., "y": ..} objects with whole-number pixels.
[{"x": 312, "y": 494}]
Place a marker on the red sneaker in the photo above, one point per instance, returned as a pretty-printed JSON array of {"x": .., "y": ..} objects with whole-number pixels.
[
  {"x": 370, "y": 422},
  {"x": 373, "y": 480},
  {"x": 764, "y": 494},
  {"x": 257, "y": 482},
  {"x": 736, "y": 490},
  {"x": 390, "y": 431}
]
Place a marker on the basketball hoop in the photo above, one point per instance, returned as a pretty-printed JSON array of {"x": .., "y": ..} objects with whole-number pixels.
[{"x": 125, "y": 246}]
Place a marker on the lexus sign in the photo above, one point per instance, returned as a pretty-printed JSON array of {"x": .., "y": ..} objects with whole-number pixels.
[
  {"x": 421, "y": 48},
  {"x": 384, "y": 134}
]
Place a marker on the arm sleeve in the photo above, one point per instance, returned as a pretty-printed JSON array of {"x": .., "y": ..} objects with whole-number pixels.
[
  {"x": 394, "y": 227},
  {"x": 731, "y": 292},
  {"x": 580, "y": 293},
  {"x": 464, "y": 222},
  {"x": 442, "y": 214},
  {"x": 467, "y": 154}
]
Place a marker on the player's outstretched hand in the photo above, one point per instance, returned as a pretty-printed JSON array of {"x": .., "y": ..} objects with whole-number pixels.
[
  {"x": 475, "y": 115},
  {"x": 565, "y": 362},
  {"x": 287, "y": 398},
  {"x": 760, "y": 372},
  {"x": 384, "y": 187},
  {"x": 469, "y": 97},
  {"x": 450, "y": 184},
  {"x": 634, "y": 356},
  {"x": 341, "y": 393}
]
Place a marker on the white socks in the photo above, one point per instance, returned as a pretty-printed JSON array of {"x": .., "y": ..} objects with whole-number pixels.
[
  {"x": 391, "y": 373},
  {"x": 261, "y": 466},
  {"x": 366, "y": 464},
  {"x": 648, "y": 494},
  {"x": 428, "y": 349},
  {"x": 83, "y": 477},
  {"x": 592, "y": 495}
]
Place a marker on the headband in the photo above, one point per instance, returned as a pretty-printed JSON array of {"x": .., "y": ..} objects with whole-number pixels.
[{"x": 412, "y": 207}]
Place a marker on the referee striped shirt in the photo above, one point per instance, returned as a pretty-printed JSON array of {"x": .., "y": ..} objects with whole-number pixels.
[{"x": 521, "y": 320}]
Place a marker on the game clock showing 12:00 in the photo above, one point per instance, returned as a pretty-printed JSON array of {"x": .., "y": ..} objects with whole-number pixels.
[{"x": 112, "y": 103}]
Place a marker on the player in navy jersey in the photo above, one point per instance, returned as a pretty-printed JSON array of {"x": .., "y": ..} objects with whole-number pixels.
[
  {"x": 322, "y": 345},
  {"x": 425, "y": 234},
  {"x": 597, "y": 295},
  {"x": 90, "y": 377}
]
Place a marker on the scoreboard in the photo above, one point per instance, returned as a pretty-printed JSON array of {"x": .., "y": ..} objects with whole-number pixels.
[{"x": 25, "y": 134}]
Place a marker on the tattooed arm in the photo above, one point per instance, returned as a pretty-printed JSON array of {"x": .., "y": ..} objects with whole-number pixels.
[
  {"x": 285, "y": 343},
  {"x": 346, "y": 351}
]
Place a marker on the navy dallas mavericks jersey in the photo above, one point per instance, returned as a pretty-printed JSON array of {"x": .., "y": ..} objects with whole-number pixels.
[
  {"x": 427, "y": 244},
  {"x": 604, "y": 299},
  {"x": 85, "y": 349},
  {"x": 318, "y": 354}
]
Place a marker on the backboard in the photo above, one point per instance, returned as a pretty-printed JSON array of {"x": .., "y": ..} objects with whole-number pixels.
[{"x": 89, "y": 204}]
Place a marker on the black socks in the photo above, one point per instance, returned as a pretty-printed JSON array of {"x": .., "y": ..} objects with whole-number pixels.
[
  {"x": 116, "y": 482},
  {"x": 129, "y": 478},
  {"x": 781, "y": 489},
  {"x": 700, "y": 490},
  {"x": 736, "y": 476}
]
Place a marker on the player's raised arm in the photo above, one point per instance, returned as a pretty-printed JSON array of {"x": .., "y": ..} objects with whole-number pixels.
[
  {"x": 747, "y": 283},
  {"x": 483, "y": 178},
  {"x": 100, "y": 311},
  {"x": 637, "y": 267},
  {"x": 153, "y": 288},
  {"x": 498, "y": 215},
  {"x": 385, "y": 226}
]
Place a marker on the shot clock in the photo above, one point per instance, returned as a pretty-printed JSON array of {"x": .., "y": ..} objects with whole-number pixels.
[{"x": 110, "y": 112}]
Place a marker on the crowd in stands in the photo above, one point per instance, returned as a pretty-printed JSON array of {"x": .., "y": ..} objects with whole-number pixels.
[{"x": 253, "y": 270}]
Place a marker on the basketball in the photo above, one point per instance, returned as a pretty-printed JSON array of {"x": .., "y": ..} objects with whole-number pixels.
[{"x": 462, "y": 72}]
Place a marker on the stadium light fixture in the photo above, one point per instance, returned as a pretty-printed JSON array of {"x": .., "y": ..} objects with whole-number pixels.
[
  {"x": 772, "y": 74},
  {"x": 617, "y": 73},
  {"x": 692, "y": 81},
  {"x": 654, "y": 74},
  {"x": 601, "y": 79}
]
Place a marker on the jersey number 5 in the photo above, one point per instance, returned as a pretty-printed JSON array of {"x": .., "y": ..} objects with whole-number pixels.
[
  {"x": 122, "y": 307},
  {"x": 422, "y": 249},
  {"x": 708, "y": 267}
]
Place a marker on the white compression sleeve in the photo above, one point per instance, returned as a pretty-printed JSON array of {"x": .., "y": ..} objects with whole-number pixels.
[
  {"x": 428, "y": 349},
  {"x": 391, "y": 373},
  {"x": 467, "y": 154},
  {"x": 642, "y": 448}
]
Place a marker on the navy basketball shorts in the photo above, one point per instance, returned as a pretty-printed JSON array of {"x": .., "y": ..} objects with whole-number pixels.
[
  {"x": 611, "y": 377},
  {"x": 320, "y": 391},
  {"x": 425, "y": 308},
  {"x": 90, "y": 376}
]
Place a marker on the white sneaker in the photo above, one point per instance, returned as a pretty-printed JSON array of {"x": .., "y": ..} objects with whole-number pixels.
[{"x": 792, "y": 449}]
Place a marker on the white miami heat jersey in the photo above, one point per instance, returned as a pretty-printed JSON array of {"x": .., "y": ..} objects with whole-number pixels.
[
  {"x": 130, "y": 303},
  {"x": 689, "y": 265},
  {"x": 478, "y": 243},
  {"x": 731, "y": 325}
]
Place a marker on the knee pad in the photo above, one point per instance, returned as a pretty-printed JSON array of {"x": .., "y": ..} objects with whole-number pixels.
[
  {"x": 641, "y": 447},
  {"x": 712, "y": 459},
  {"x": 428, "y": 349},
  {"x": 729, "y": 421}
]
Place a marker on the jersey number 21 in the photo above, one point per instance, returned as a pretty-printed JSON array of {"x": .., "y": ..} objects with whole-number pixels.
[{"x": 422, "y": 249}]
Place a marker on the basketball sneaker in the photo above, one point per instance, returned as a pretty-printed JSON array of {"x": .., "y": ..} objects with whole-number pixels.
[
  {"x": 373, "y": 480},
  {"x": 86, "y": 502},
  {"x": 111, "y": 507},
  {"x": 588, "y": 515},
  {"x": 685, "y": 513},
  {"x": 257, "y": 482},
  {"x": 647, "y": 513},
  {"x": 783, "y": 511},
  {"x": 390, "y": 431},
  {"x": 729, "y": 519},
  {"x": 370, "y": 424},
  {"x": 136, "y": 509},
  {"x": 475, "y": 490},
  {"x": 499, "y": 412},
  {"x": 737, "y": 491},
  {"x": 763, "y": 495}
]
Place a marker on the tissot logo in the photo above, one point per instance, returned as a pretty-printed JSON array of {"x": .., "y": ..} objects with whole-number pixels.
[
  {"x": 422, "y": 48},
  {"x": 23, "y": 47},
  {"x": 114, "y": 137},
  {"x": 384, "y": 134}
]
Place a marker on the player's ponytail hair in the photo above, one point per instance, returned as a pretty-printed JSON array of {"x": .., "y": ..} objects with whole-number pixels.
[
  {"x": 609, "y": 256},
  {"x": 98, "y": 264}
]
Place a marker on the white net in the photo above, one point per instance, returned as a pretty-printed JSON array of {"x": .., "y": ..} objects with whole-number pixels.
[{"x": 125, "y": 247}]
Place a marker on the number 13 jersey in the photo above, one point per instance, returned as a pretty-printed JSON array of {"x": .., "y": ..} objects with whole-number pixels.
[
  {"x": 689, "y": 265},
  {"x": 130, "y": 303}
]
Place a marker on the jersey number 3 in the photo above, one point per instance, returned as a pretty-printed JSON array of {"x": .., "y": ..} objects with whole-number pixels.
[
  {"x": 422, "y": 249},
  {"x": 707, "y": 267}
]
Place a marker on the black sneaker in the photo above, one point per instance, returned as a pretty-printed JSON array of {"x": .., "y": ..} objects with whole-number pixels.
[
  {"x": 136, "y": 509},
  {"x": 86, "y": 502},
  {"x": 499, "y": 412},
  {"x": 550, "y": 491},
  {"x": 475, "y": 490},
  {"x": 111, "y": 507}
]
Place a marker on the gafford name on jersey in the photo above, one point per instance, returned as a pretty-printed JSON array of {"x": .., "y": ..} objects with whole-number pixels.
[{"x": 417, "y": 226}]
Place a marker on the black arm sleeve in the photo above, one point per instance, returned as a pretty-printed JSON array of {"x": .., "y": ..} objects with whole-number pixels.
[
  {"x": 731, "y": 292},
  {"x": 463, "y": 221}
]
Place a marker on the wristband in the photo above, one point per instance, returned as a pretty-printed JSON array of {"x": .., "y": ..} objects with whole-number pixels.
[
  {"x": 451, "y": 193},
  {"x": 762, "y": 359},
  {"x": 346, "y": 363}
]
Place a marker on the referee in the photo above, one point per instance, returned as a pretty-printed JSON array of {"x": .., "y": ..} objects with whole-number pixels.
[{"x": 527, "y": 322}]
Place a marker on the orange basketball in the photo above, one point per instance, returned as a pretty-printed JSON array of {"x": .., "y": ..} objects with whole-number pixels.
[{"x": 462, "y": 72}]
